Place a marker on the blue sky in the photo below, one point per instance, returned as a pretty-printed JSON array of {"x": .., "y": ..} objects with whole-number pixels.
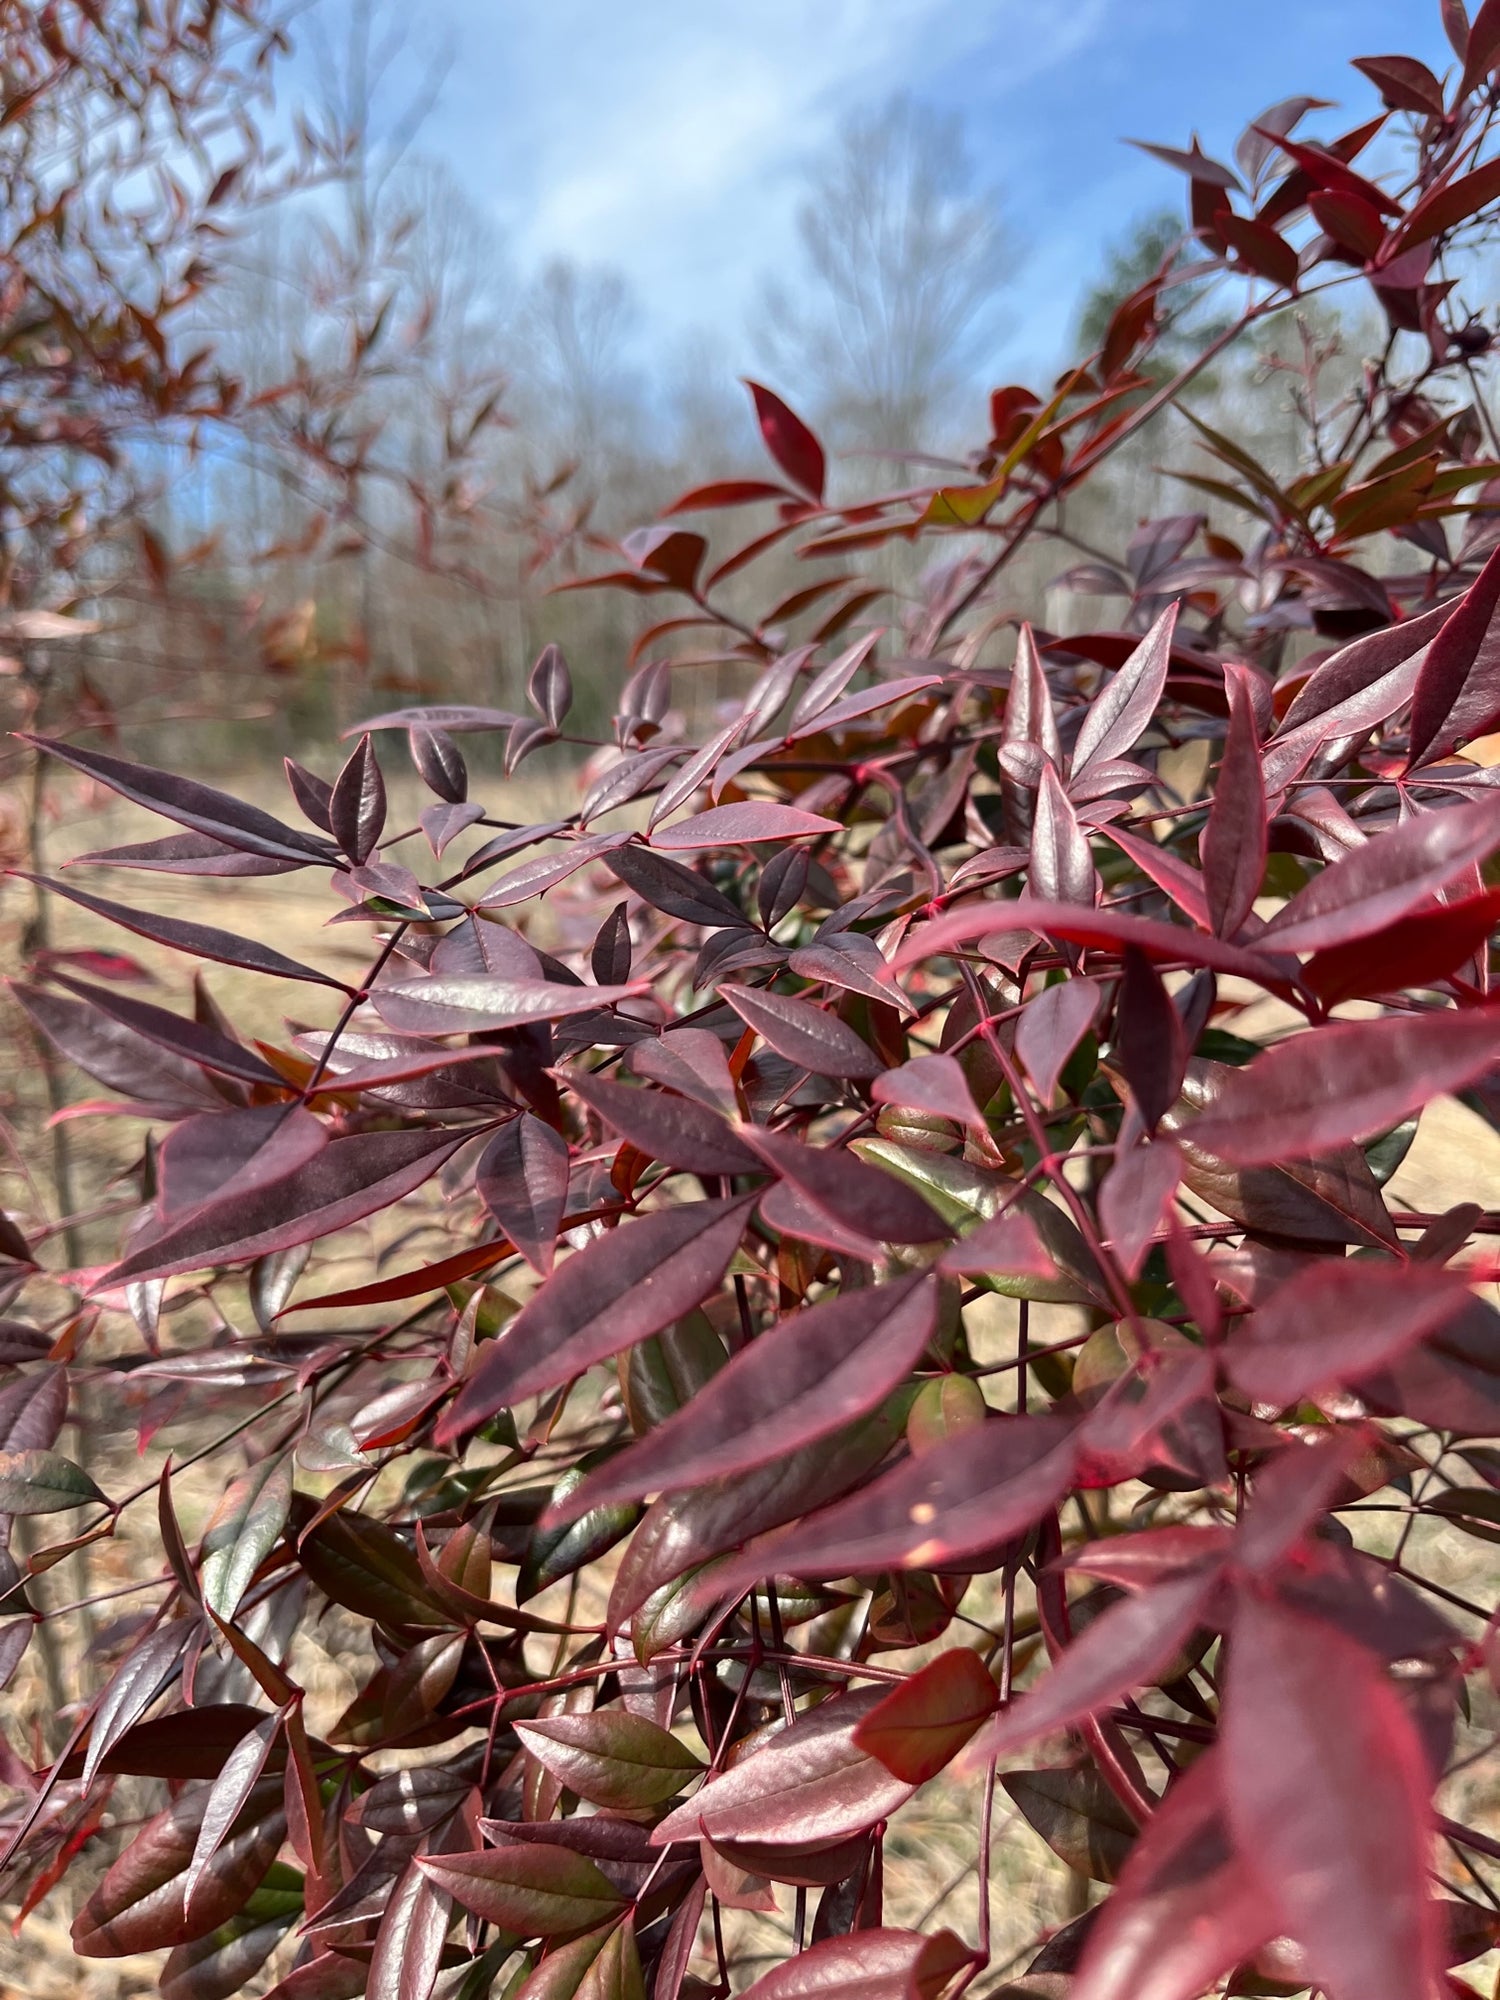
[{"x": 666, "y": 137}]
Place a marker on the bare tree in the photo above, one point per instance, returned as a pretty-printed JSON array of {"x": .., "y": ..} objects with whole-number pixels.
[{"x": 904, "y": 261}]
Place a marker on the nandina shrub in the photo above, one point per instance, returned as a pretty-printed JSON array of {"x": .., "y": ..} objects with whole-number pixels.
[{"x": 853, "y": 1292}]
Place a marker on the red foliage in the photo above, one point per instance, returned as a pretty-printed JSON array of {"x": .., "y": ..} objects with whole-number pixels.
[{"x": 721, "y": 1139}]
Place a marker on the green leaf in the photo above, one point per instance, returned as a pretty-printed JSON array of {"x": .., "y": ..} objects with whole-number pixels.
[
  {"x": 611, "y": 1758},
  {"x": 661, "y": 1374},
  {"x": 244, "y": 1529},
  {"x": 43, "y": 1482}
]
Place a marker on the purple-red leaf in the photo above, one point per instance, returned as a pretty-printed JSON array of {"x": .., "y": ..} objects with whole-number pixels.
[
  {"x": 724, "y": 826},
  {"x": 459, "y": 1005},
  {"x": 923, "y": 1723},
  {"x": 534, "y": 1891},
  {"x": 866, "y": 1965},
  {"x": 789, "y": 441},
  {"x": 935, "y": 1084},
  {"x": 1457, "y": 695},
  {"x": 668, "y": 1128},
  {"x": 804, "y": 1378},
  {"x": 1233, "y": 844},
  {"x": 522, "y": 1179},
  {"x": 1124, "y": 1646},
  {"x": 620, "y": 1289},
  {"x": 857, "y": 1196},
  {"x": 809, "y": 1785},
  {"x": 1326, "y": 1788},
  {"x": 1120, "y": 712},
  {"x": 1316, "y": 1091},
  {"x": 1336, "y": 1322},
  {"x": 356, "y": 806},
  {"x": 348, "y": 1180},
  {"x": 803, "y": 1034}
]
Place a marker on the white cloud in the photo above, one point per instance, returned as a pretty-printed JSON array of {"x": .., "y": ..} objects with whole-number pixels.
[{"x": 667, "y": 137}]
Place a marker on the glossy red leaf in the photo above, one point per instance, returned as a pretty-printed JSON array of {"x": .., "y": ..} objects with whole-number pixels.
[
  {"x": 1389, "y": 876},
  {"x": 549, "y": 686},
  {"x": 984, "y": 1487},
  {"x": 1233, "y": 844},
  {"x": 227, "y": 1798},
  {"x": 344, "y": 1182},
  {"x": 677, "y": 891},
  {"x": 1120, "y": 712},
  {"x": 935, "y": 1084},
  {"x": 867, "y": 1965},
  {"x": 729, "y": 825},
  {"x": 1326, "y": 1789},
  {"x": 1010, "y": 1242},
  {"x": 147, "y": 1671},
  {"x": 619, "y": 1761},
  {"x": 1420, "y": 950},
  {"x": 804, "y": 1378},
  {"x": 789, "y": 441},
  {"x": 409, "y": 1942},
  {"x": 619, "y": 1289},
  {"x": 1049, "y": 1028},
  {"x": 1315, "y": 1092},
  {"x": 531, "y": 1890},
  {"x": 808, "y": 1785},
  {"x": 522, "y": 1179},
  {"x": 1108, "y": 930},
  {"x": 1337, "y": 1322},
  {"x": 669, "y": 1128},
  {"x": 922, "y": 1723},
  {"x": 803, "y": 1034},
  {"x": 1185, "y": 1908},
  {"x": 1126, "y": 1645}
]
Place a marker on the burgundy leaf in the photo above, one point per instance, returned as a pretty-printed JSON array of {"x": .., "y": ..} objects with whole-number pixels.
[
  {"x": 205, "y": 1046},
  {"x": 1415, "y": 951},
  {"x": 690, "y": 1061},
  {"x": 803, "y": 1034},
  {"x": 675, "y": 890},
  {"x": 623, "y": 1287},
  {"x": 192, "y": 805},
  {"x": 1457, "y": 694},
  {"x": 348, "y": 1180},
  {"x": 789, "y": 441},
  {"x": 200, "y": 940},
  {"x": 672, "y": 1129},
  {"x": 1184, "y": 885},
  {"x": 185, "y": 854},
  {"x": 1134, "y": 1198},
  {"x": 725, "y": 825},
  {"x": 232, "y": 1152},
  {"x": 1108, "y": 930},
  {"x": 549, "y": 686},
  {"x": 1325, "y": 1784},
  {"x": 1050, "y": 1027},
  {"x": 858, "y": 1197},
  {"x": 1149, "y": 1039},
  {"x": 1315, "y": 1092},
  {"x": 1336, "y": 1322},
  {"x": 1233, "y": 844},
  {"x": 1121, "y": 711},
  {"x": 1354, "y": 669},
  {"x": 457, "y": 1005},
  {"x": 936, "y": 1084},
  {"x": 809, "y": 1375},
  {"x": 1126, "y": 1645},
  {"x": 1185, "y": 1908},
  {"x": 1062, "y": 864},
  {"x": 531, "y": 1890},
  {"x": 439, "y": 763},
  {"x": 867, "y": 1965},
  {"x": 1389, "y": 876},
  {"x": 1009, "y": 1242},
  {"x": 987, "y": 1485},
  {"x": 610, "y": 953},
  {"x": 522, "y": 1179},
  {"x": 618, "y": 1761},
  {"x": 356, "y": 805},
  {"x": 810, "y": 1784},
  {"x": 533, "y": 878}
]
